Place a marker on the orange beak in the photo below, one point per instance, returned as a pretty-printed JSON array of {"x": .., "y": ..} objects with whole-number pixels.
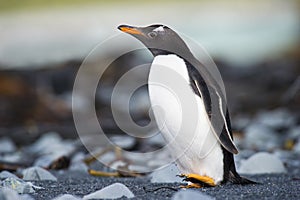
[{"x": 130, "y": 30}]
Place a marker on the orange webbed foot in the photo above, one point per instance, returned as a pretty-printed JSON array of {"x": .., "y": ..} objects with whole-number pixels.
[{"x": 198, "y": 180}]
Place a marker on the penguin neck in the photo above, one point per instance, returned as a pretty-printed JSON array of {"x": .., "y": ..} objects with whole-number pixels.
[
  {"x": 169, "y": 58},
  {"x": 173, "y": 63},
  {"x": 159, "y": 52},
  {"x": 184, "y": 54}
]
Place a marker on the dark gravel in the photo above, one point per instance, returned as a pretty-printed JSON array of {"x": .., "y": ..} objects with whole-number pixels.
[{"x": 272, "y": 186}]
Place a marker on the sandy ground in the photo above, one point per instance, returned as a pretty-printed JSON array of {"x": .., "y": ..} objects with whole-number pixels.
[{"x": 272, "y": 186}]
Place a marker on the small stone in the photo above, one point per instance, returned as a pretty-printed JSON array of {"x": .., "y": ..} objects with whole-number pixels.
[
  {"x": 162, "y": 158},
  {"x": 79, "y": 166},
  {"x": 7, "y": 174},
  {"x": 8, "y": 194},
  {"x": 168, "y": 174},
  {"x": 52, "y": 144},
  {"x": 38, "y": 174},
  {"x": 124, "y": 142},
  {"x": 297, "y": 147},
  {"x": 240, "y": 122},
  {"x": 18, "y": 185},
  {"x": 66, "y": 197},
  {"x": 7, "y": 145},
  {"x": 26, "y": 197},
  {"x": 260, "y": 137},
  {"x": 278, "y": 118},
  {"x": 190, "y": 194},
  {"x": 114, "y": 191},
  {"x": 12, "y": 157},
  {"x": 77, "y": 163},
  {"x": 78, "y": 157},
  {"x": 294, "y": 133},
  {"x": 261, "y": 163},
  {"x": 45, "y": 142},
  {"x": 107, "y": 157}
]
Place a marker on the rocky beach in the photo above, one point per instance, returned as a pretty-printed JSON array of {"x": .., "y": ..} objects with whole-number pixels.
[{"x": 47, "y": 152}]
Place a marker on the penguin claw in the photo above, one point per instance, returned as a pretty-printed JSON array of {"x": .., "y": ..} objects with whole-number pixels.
[{"x": 199, "y": 180}]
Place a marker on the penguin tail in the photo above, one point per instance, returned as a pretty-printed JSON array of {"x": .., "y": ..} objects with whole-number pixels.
[{"x": 235, "y": 178}]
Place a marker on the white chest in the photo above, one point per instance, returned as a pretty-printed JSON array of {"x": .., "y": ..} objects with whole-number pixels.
[
  {"x": 179, "y": 113},
  {"x": 168, "y": 77},
  {"x": 182, "y": 119}
]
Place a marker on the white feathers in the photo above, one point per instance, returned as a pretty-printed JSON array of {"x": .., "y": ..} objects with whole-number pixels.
[
  {"x": 182, "y": 118},
  {"x": 159, "y": 29},
  {"x": 162, "y": 90},
  {"x": 173, "y": 63}
]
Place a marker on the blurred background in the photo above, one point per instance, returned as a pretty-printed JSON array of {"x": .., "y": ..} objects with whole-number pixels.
[{"x": 255, "y": 44}]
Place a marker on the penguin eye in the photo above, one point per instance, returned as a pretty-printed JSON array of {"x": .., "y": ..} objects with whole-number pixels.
[{"x": 152, "y": 34}]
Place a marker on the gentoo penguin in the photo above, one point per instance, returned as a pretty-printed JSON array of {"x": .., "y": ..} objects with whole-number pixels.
[{"x": 205, "y": 153}]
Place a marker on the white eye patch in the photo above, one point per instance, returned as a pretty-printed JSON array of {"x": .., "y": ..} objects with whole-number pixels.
[{"x": 159, "y": 29}]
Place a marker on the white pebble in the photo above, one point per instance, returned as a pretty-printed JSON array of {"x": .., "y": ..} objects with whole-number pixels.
[
  {"x": 7, "y": 174},
  {"x": 260, "y": 137},
  {"x": 18, "y": 185},
  {"x": 37, "y": 174},
  {"x": 114, "y": 191},
  {"x": 277, "y": 118},
  {"x": 261, "y": 163},
  {"x": 12, "y": 157},
  {"x": 167, "y": 174},
  {"x": 7, "y": 145},
  {"x": 123, "y": 141},
  {"x": 79, "y": 166},
  {"x": 190, "y": 194},
  {"x": 8, "y": 194},
  {"x": 297, "y": 147},
  {"x": 52, "y": 144},
  {"x": 66, "y": 197},
  {"x": 294, "y": 133},
  {"x": 44, "y": 143},
  {"x": 26, "y": 197}
]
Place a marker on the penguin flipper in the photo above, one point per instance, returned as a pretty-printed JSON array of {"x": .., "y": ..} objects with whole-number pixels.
[{"x": 214, "y": 103}]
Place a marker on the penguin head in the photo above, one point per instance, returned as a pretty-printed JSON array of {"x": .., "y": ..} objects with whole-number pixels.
[{"x": 158, "y": 38}]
